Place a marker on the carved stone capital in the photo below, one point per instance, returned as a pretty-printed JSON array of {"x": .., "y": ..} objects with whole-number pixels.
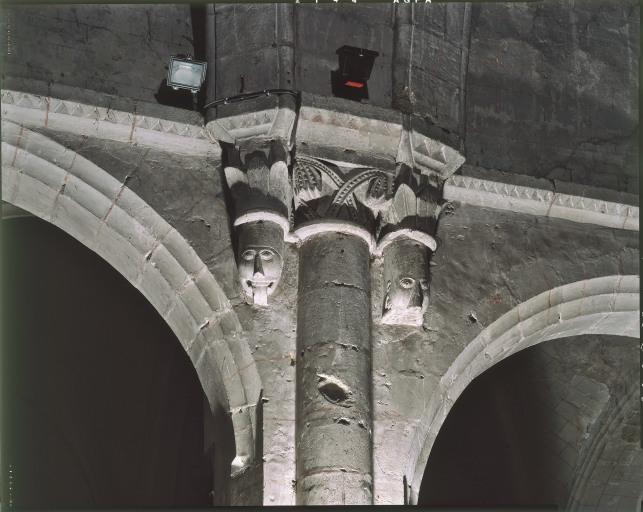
[
  {"x": 413, "y": 209},
  {"x": 258, "y": 180},
  {"x": 331, "y": 193},
  {"x": 406, "y": 242},
  {"x": 407, "y": 227}
]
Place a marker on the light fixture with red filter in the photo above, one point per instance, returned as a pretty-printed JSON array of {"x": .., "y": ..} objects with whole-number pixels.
[{"x": 350, "y": 79}]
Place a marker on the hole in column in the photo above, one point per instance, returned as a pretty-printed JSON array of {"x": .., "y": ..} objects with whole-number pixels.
[{"x": 334, "y": 390}]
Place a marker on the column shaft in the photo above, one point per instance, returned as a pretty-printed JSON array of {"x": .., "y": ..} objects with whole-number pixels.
[{"x": 334, "y": 418}]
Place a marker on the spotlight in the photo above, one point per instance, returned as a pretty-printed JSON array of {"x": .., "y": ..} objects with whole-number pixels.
[
  {"x": 185, "y": 73},
  {"x": 355, "y": 66}
]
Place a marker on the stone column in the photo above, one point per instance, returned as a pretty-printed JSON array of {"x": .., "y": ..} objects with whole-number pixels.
[
  {"x": 334, "y": 418},
  {"x": 336, "y": 207}
]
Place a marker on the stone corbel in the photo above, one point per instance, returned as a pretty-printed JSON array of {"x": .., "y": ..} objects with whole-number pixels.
[
  {"x": 258, "y": 179},
  {"x": 257, "y": 148},
  {"x": 407, "y": 228}
]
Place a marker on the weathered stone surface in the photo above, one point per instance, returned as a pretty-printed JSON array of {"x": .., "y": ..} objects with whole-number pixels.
[
  {"x": 333, "y": 437},
  {"x": 556, "y": 82},
  {"x": 540, "y": 239},
  {"x": 406, "y": 275},
  {"x": 525, "y": 112},
  {"x": 461, "y": 305},
  {"x": 116, "y": 49}
]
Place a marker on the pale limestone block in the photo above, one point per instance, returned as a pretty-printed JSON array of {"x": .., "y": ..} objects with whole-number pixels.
[
  {"x": 26, "y": 116},
  {"x": 77, "y": 221},
  {"x": 210, "y": 290},
  {"x": 535, "y": 323},
  {"x": 597, "y": 303},
  {"x": 32, "y": 195},
  {"x": 130, "y": 229},
  {"x": 183, "y": 324},
  {"x": 622, "y": 323},
  {"x": 599, "y": 286},
  {"x": 624, "y": 302},
  {"x": 39, "y": 169},
  {"x": 244, "y": 441},
  {"x": 119, "y": 253},
  {"x": 94, "y": 176},
  {"x": 143, "y": 213},
  {"x": 571, "y": 309},
  {"x": 170, "y": 269},
  {"x": 87, "y": 196},
  {"x": 157, "y": 290},
  {"x": 182, "y": 252},
  {"x": 503, "y": 324},
  {"x": 196, "y": 304}
]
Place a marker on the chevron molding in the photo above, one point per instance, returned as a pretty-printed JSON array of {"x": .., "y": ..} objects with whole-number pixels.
[
  {"x": 533, "y": 201},
  {"x": 36, "y": 111}
]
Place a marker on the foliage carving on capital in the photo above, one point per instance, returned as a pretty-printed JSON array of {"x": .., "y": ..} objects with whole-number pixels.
[
  {"x": 415, "y": 205},
  {"x": 324, "y": 190}
]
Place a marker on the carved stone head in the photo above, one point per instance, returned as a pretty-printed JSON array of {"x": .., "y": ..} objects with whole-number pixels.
[
  {"x": 260, "y": 259},
  {"x": 406, "y": 288}
]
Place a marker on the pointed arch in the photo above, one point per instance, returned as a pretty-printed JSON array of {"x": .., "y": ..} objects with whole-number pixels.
[
  {"x": 59, "y": 186},
  {"x": 605, "y": 305}
]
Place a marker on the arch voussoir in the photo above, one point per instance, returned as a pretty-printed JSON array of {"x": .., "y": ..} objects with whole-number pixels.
[
  {"x": 60, "y": 186},
  {"x": 604, "y": 305}
]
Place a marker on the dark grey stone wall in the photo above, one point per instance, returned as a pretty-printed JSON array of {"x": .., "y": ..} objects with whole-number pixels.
[
  {"x": 546, "y": 89},
  {"x": 552, "y": 91},
  {"x": 523, "y": 431},
  {"x": 115, "y": 49},
  {"x": 487, "y": 262}
]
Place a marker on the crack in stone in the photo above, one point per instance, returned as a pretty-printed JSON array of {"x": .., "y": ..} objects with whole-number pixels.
[{"x": 345, "y": 285}]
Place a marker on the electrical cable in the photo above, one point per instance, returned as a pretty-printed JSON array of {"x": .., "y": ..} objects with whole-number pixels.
[{"x": 250, "y": 96}]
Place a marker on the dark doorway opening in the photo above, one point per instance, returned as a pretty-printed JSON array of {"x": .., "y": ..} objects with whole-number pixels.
[
  {"x": 102, "y": 405},
  {"x": 494, "y": 449}
]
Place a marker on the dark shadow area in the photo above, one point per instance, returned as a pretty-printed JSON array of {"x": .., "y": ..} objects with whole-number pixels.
[
  {"x": 198, "y": 17},
  {"x": 180, "y": 98},
  {"x": 543, "y": 124},
  {"x": 102, "y": 407},
  {"x": 493, "y": 449}
]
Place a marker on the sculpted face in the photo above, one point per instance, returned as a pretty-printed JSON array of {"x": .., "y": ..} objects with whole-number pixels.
[
  {"x": 406, "y": 296},
  {"x": 259, "y": 259}
]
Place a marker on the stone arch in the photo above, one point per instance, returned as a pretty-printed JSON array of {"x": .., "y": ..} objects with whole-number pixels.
[
  {"x": 59, "y": 186},
  {"x": 611, "y": 422},
  {"x": 603, "y": 305}
]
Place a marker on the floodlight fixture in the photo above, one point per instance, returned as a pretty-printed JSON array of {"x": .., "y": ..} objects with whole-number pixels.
[{"x": 186, "y": 73}]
